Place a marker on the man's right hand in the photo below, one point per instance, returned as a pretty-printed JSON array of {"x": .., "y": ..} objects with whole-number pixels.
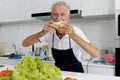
[{"x": 49, "y": 27}]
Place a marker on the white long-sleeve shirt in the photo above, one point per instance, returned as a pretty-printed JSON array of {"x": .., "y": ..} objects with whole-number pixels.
[{"x": 64, "y": 42}]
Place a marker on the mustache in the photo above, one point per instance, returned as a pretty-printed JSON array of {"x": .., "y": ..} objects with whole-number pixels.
[{"x": 59, "y": 21}]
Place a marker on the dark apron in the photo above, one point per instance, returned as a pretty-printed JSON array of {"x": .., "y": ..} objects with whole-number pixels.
[{"x": 65, "y": 59}]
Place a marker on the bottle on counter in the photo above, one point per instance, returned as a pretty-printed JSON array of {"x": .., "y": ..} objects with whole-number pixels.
[{"x": 46, "y": 48}]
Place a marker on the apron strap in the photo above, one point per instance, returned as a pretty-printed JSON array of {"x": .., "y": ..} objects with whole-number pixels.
[
  {"x": 53, "y": 41},
  {"x": 69, "y": 42},
  {"x": 39, "y": 40}
]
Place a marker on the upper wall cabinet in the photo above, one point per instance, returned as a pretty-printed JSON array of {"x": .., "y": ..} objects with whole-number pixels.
[
  {"x": 97, "y": 7},
  {"x": 16, "y": 10},
  {"x": 2, "y": 10},
  {"x": 117, "y": 4},
  {"x": 13, "y": 10},
  {"x": 38, "y": 6},
  {"x": 74, "y": 4}
]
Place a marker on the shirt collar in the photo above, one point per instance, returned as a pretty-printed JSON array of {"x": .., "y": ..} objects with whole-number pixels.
[{"x": 66, "y": 35}]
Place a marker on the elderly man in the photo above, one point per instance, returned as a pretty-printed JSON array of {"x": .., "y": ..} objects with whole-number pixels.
[{"x": 66, "y": 41}]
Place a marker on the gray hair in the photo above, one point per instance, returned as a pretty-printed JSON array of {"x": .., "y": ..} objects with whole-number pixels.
[{"x": 61, "y": 3}]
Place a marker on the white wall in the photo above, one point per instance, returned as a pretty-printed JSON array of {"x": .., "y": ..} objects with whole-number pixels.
[{"x": 99, "y": 31}]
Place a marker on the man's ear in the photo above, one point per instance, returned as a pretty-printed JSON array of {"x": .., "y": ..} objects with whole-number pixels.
[
  {"x": 51, "y": 16},
  {"x": 68, "y": 16}
]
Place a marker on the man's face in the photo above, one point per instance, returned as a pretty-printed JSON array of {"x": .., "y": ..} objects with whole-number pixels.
[{"x": 60, "y": 13}]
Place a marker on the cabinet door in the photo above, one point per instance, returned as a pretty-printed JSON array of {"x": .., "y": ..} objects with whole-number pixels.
[
  {"x": 101, "y": 70},
  {"x": 13, "y": 10},
  {"x": 38, "y": 6},
  {"x": 16, "y": 10},
  {"x": 10, "y": 10},
  {"x": 2, "y": 10},
  {"x": 97, "y": 7},
  {"x": 74, "y": 4},
  {"x": 117, "y": 4},
  {"x": 85, "y": 68},
  {"x": 35, "y": 6}
]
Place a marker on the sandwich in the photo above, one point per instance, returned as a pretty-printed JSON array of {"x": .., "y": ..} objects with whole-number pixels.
[{"x": 58, "y": 24}]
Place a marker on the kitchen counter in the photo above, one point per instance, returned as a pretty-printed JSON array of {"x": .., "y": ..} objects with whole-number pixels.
[
  {"x": 86, "y": 76},
  {"x": 78, "y": 76},
  {"x": 91, "y": 68},
  {"x": 84, "y": 63},
  {"x": 98, "y": 65},
  {"x": 7, "y": 61}
]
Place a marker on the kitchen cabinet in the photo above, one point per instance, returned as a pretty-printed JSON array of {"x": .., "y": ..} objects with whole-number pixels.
[
  {"x": 2, "y": 10},
  {"x": 11, "y": 10},
  {"x": 117, "y": 4},
  {"x": 85, "y": 68},
  {"x": 97, "y": 7},
  {"x": 7, "y": 61},
  {"x": 77, "y": 4},
  {"x": 38, "y": 6},
  {"x": 90, "y": 68},
  {"x": 86, "y": 76},
  {"x": 102, "y": 70},
  {"x": 17, "y": 10}
]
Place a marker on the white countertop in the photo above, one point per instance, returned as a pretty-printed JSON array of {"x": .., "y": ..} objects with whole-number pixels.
[
  {"x": 10, "y": 67},
  {"x": 78, "y": 76},
  {"x": 85, "y": 63},
  {"x": 5, "y": 60},
  {"x": 98, "y": 65},
  {"x": 86, "y": 76}
]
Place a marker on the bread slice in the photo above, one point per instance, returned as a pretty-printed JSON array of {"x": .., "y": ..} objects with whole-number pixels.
[{"x": 58, "y": 24}]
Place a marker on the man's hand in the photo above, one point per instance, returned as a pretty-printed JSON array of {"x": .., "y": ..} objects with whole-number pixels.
[
  {"x": 68, "y": 29},
  {"x": 49, "y": 27}
]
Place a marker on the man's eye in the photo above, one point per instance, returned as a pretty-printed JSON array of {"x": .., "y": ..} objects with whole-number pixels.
[
  {"x": 62, "y": 14},
  {"x": 55, "y": 14}
]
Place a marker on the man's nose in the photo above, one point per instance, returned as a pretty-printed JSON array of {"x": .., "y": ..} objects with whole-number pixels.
[{"x": 58, "y": 17}]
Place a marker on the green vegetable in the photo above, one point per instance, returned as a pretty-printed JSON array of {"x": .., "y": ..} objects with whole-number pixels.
[{"x": 33, "y": 69}]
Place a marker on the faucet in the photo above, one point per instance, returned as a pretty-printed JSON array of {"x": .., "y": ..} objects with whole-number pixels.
[{"x": 14, "y": 45}]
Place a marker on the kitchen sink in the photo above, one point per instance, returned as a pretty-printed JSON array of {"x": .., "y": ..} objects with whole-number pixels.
[{"x": 98, "y": 62}]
